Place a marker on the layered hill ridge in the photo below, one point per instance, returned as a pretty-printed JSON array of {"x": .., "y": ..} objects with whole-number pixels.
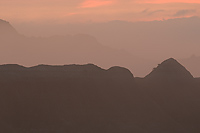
[
  {"x": 79, "y": 48},
  {"x": 87, "y": 98},
  {"x": 170, "y": 69},
  {"x": 16, "y": 48}
]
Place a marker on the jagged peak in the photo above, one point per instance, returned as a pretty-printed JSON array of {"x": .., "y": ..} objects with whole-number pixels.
[{"x": 170, "y": 69}]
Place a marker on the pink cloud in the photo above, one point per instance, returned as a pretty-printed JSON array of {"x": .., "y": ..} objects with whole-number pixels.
[{"x": 95, "y": 3}]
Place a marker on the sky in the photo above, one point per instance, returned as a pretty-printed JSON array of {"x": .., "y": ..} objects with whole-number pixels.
[
  {"x": 76, "y": 11},
  {"x": 174, "y": 35}
]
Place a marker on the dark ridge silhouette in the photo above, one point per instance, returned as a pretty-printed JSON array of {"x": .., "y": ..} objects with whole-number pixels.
[
  {"x": 10, "y": 67},
  {"x": 88, "y": 70},
  {"x": 176, "y": 92},
  {"x": 120, "y": 72},
  {"x": 87, "y": 98},
  {"x": 168, "y": 70},
  {"x": 87, "y": 67}
]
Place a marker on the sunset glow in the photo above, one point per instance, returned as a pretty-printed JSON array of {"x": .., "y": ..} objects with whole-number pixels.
[
  {"x": 97, "y": 3},
  {"x": 96, "y": 10}
]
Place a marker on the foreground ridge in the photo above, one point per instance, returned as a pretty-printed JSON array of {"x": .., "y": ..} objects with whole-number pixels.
[{"x": 89, "y": 99}]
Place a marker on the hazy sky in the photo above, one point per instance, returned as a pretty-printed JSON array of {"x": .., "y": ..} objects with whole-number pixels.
[
  {"x": 176, "y": 36},
  {"x": 60, "y": 11}
]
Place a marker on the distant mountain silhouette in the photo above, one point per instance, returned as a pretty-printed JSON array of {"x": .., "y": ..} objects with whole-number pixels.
[
  {"x": 68, "y": 49},
  {"x": 128, "y": 36},
  {"x": 170, "y": 69},
  {"x": 178, "y": 37},
  {"x": 6, "y": 29}
]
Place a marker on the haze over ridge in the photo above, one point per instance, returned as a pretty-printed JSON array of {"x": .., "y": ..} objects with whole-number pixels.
[
  {"x": 144, "y": 39},
  {"x": 39, "y": 51}
]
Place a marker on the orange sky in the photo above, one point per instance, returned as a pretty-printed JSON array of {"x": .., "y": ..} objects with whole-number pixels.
[
  {"x": 96, "y": 3},
  {"x": 96, "y": 10}
]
